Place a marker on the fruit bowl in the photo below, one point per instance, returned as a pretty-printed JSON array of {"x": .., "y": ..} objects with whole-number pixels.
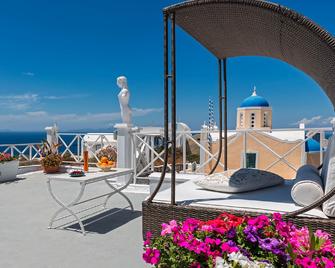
[{"x": 104, "y": 168}]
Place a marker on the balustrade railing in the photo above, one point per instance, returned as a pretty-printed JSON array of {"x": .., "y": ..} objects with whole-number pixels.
[
  {"x": 195, "y": 151},
  {"x": 24, "y": 151},
  {"x": 72, "y": 145}
]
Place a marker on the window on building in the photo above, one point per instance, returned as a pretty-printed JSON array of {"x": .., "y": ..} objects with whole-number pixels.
[
  {"x": 265, "y": 120},
  {"x": 252, "y": 121},
  {"x": 241, "y": 119},
  {"x": 251, "y": 160}
]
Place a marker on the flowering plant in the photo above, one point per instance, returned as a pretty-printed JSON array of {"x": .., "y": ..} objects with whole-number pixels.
[
  {"x": 231, "y": 241},
  {"x": 50, "y": 155},
  {"x": 4, "y": 157}
]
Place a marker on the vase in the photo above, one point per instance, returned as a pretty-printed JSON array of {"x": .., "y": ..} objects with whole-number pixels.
[
  {"x": 49, "y": 170},
  {"x": 9, "y": 170}
]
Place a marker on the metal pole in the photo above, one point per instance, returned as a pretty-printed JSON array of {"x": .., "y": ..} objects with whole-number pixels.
[
  {"x": 166, "y": 107},
  {"x": 220, "y": 118},
  {"x": 173, "y": 109},
  {"x": 225, "y": 115}
]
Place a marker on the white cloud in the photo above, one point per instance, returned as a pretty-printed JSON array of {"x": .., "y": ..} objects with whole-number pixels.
[
  {"x": 28, "y": 73},
  {"x": 23, "y": 102},
  {"x": 18, "y": 102},
  {"x": 317, "y": 120},
  {"x": 37, "y": 113},
  {"x": 63, "y": 97},
  {"x": 38, "y": 120}
]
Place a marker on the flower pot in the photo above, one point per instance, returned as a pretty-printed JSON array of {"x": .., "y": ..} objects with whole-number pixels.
[
  {"x": 49, "y": 170},
  {"x": 9, "y": 170}
]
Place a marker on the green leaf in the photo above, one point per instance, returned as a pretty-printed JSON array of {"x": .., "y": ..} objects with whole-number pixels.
[{"x": 311, "y": 239}]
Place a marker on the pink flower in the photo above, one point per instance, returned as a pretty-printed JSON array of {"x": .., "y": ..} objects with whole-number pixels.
[
  {"x": 190, "y": 225},
  {"x": 206, "y": 228},
  {"x": 229, "y": 247},
  {"x": 277, "y": 216},
  {"x": 195, "y": 265},
  {"x": 322, "y": 235},
  {"x": 306, "y": 262},
  {"x": 259, "y": 222},
  {"x": 148, "y": 239},
  {"x": 169, "y": 228},
  {"x": 300, "y": 239},
  {"x": 151, "y": 256},
  {"x": 327, "y": 262}
]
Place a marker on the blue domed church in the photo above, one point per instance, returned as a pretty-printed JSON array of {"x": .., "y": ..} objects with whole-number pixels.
[{"x": 254, "y": 113}]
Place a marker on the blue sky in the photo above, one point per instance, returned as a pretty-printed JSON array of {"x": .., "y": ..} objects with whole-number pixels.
[{"x": 60, "y": 60}]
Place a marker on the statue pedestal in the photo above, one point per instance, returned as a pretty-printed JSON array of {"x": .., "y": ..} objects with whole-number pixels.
[{"x": 124, "y": 148}]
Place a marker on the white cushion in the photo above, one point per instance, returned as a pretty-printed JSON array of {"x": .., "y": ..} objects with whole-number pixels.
[
  {"x": 268, "y": 200},
  {"x": 307, "y": 186},
  {"x": 326, "y": 159},
  {"x": 328, "y": 173},
  {"x": 243, "y": 180}
]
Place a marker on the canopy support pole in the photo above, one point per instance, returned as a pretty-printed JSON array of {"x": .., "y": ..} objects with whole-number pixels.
[
  {"x": 166, "y": 107},
  {"x": 173, "y": 109},
  {"x": 222, "y": 99},
  {"x": 225, "y": 115}
]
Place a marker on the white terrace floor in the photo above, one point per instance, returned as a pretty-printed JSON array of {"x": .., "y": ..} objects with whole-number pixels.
[{"x": 25, "y": 241}]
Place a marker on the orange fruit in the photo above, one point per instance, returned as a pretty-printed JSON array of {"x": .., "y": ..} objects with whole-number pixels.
[
  {"x": 104, "y": 165},
  {"x": 110, "y": 163},
  {"x": 104, "y": 159}
]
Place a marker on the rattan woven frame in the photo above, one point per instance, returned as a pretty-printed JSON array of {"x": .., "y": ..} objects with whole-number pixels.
[
  {"x": 156, "y": 213},
  {"x": 231, "y": 28}
]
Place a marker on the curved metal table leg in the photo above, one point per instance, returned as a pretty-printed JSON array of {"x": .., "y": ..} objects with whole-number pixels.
[
  {"x": 66, "y": 207},
  {"x": 118, "y": 191}
]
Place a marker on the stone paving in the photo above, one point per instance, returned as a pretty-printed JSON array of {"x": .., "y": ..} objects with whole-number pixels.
[{"x": 25, "y": 241}]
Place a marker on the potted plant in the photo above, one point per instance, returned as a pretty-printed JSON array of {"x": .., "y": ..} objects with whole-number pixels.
[
  {"x": 51, "y": 159},
  {"x": 9, "y": 167}
]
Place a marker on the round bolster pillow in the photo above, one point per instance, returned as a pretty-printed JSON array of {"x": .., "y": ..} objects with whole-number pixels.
[{"x": 307, "y": 186}]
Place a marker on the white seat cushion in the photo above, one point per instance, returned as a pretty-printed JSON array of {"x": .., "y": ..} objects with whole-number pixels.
[
  {"x": 242, "y": 180},
  {"x": 307, "y": 186},
  {"x": 268, "y": 200},
  {"x": 328, "y": 176}
]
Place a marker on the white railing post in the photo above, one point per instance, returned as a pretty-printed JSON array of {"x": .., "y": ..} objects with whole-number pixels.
[
  {"x": 203, "y": 142},
  {"x": 30, "y": 152},
  {"x": 184, "y": 152},
  {"x": 152, "y": 156}
]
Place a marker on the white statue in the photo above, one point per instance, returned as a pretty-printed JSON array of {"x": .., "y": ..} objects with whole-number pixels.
[{"x": 124, "y": 96}]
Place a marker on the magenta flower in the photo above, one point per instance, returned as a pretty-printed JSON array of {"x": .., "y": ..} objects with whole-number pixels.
[
  {"x": 148, "y": 239},
  {"x": 251, "y": 239},
  {"x": 229, "y": 247},
  {"x": 328, "y": 263},
  {"x": 306, "y": 262},
  {"x": 169, "y": 228},
  {"x": 259, "y": 222},
  {"x": 151, "y": 256}
]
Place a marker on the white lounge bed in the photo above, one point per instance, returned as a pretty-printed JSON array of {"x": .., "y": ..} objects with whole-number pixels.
[{"x": 272, "y": 199}]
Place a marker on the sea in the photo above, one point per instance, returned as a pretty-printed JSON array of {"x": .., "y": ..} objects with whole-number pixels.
[{"x": 12, "y": 137}]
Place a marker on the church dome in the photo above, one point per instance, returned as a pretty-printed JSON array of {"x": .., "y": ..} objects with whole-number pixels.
[
  {"x": 254, "y": 101},
  {"x": 312, "y": 146}
]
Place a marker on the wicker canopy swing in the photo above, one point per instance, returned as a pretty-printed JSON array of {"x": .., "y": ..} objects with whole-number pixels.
[{"x": 231, "y": 28}]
